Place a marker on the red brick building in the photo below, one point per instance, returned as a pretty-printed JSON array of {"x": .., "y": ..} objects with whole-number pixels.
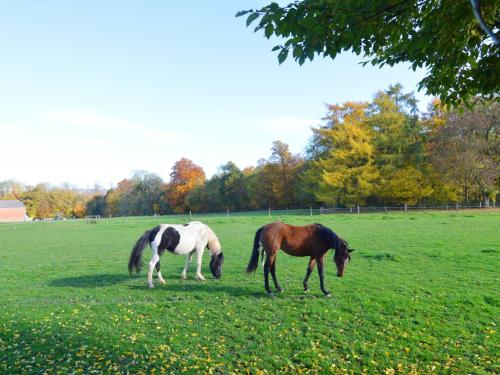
[{"x": 12, "y": 210}]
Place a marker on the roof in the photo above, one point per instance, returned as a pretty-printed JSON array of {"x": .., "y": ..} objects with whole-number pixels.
[{"x": 11, "y": 204}]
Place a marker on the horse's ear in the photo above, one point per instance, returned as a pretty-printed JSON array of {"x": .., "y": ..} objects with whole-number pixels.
[{"x": 350, "y": 250}]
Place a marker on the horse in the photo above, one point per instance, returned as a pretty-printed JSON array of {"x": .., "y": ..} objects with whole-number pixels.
[
  {"x": 185, "y": 239},
  {"x": 312, "y": 240}
]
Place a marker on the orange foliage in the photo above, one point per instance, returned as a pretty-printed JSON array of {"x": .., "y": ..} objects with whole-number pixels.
[{"x": 185, "y": 176}]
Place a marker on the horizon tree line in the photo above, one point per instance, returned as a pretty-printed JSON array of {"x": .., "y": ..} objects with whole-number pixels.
[{"x": 382, "y": 152}]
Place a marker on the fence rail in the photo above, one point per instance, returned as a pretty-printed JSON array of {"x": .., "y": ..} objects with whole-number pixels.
[{"x": 358, "y": 210}]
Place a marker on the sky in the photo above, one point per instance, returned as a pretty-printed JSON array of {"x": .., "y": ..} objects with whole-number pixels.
[{"x": 91, "y": 91}]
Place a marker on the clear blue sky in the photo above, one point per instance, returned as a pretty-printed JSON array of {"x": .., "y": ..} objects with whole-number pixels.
[{"x": 92, "y": 90}]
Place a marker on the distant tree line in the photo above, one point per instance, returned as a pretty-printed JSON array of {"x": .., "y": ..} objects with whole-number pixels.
[{"x": 381, "y": 152}]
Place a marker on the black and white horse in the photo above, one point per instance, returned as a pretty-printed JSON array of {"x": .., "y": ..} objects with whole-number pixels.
[{"x": 185, "y": 239}]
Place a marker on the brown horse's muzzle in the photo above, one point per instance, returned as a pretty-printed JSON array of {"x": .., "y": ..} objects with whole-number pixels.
[{"x": 340, "y": 269}]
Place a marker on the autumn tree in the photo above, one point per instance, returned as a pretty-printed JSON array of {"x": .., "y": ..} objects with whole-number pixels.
[
  {"x": 61, "y": 201},
  {"x": 465, "y": 147},
  {"x": 407, "y": 186},
  {"x": 185, "y": 176},
  {"x": 11, "y": 189},
  {"x": 116, "y": 204},
  {"x": 455, "y": 42},
  {"x": 286, "y": 165},
  {"x": 35, "y": 200},
  {"x": 399, "y": 139},
  {"x": 347, "y": 171},
  {"x": 262, "y": 187},
  {"x": 398, "y": 135}
]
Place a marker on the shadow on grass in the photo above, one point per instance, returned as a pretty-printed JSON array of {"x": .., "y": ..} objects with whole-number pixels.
[
  {"x": 208, "y": 286},
  {"x": 90, "y": 281}
]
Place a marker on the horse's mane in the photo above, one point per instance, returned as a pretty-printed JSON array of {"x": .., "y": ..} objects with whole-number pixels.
[{"x": 213, "y": 241}]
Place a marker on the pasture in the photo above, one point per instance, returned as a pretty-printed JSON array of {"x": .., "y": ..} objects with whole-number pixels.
[{"x": 419, "y": 296}]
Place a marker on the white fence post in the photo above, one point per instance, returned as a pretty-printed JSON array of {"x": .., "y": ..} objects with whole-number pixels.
[
  {"x": 227, "y": 212},
  {"x": 269, "y": 212},
  {"x": 406, "y": 207},
  {"x": 310, "y": 210},
  {"x": 358, "y": 209},
  {"x": 190, "y": 215}
]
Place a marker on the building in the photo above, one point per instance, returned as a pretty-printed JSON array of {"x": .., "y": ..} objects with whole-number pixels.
[{"x": 12, "y": 210}]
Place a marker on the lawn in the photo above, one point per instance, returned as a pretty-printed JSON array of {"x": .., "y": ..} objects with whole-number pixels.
[{"x": 419, "y": 296}]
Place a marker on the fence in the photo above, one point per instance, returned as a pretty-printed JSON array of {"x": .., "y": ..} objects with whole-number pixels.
[
  {"x": 298, "y": 212},
  {"x": 405, "y": 208},
  {"x": 335, "y": 210}
]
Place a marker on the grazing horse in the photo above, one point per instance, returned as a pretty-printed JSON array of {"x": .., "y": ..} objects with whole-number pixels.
[
  {"x": 184, "y": 239},
  {"x": 310, "y": 240}
]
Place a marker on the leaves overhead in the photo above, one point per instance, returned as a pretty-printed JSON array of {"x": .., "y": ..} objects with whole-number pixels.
[{"x": 442, "y": 37}]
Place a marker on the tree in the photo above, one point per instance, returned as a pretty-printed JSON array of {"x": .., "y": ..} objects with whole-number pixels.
[
  {"x": 232, "y": 186},
  {"x": 148, "y": 193},
  {"x": 114, "y": 198},
  {"x": 399, "y": 136},
  {"x": 465, "y": 147},
  {"x": 36, "y": 202},
  {"x": 185, "y": 176},
  {"x": 444, "y": 37},
  {"x": 286, "y": 164},
  {"x": 96, "y": 205},
  {"x": 10, "y": 189},
  {"x": 407, "y": 185},
  {"x": 347, "y": 173},
  {"x": 263, "y": 193},
  {"x": 61, "y": 201}
]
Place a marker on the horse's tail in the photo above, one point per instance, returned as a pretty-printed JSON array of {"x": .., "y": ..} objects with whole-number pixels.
[
  {"x": 254, "y": 260},
  {"x": 135, "y": 261}
]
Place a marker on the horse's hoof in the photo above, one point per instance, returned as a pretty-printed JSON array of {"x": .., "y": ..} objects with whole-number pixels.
[
  {"x": 200, "y": 278},
  {"x": 162, "y": 281},
  {"x": 151, "y": 286},
  {"x": 328, "y": 295},
  {"x": 270, "y": 294},
  {"x": 306, "y": 291},
  {"x": 183, "y": 277},
  {"x": 281, "y": 290}
]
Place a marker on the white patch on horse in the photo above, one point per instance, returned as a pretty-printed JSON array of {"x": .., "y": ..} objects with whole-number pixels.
[{"x": 192, "y": 237}]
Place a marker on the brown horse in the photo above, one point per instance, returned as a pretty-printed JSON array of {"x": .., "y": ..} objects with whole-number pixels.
[{"x": 310, "y": 240}]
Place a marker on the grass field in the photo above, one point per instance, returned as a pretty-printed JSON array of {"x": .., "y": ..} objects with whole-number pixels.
[{"x": 420, "y": 296}]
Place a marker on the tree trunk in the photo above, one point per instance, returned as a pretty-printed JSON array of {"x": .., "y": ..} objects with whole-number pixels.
[{"x": 486, "y": 199}]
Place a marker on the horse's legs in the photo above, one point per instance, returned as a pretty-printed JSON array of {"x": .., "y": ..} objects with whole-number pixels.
[
  {"x": 162, "y": 280},
  {"x": 267, "y": 266},
  {"x": 321, "y": 276},
  {"x": 188, "y": 262},
  {"x": 273, "y": 274},
  {"x": 199, "y": 257},
  {"x": 151, "y": 267},
  {"x": 310, "y": 267}
]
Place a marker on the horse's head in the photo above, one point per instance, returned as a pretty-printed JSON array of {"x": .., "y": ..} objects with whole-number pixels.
[
  {"x": 217, "y": 260},
  {"x": 342, "y": 254},
  {"x": 216, "y": 265}
]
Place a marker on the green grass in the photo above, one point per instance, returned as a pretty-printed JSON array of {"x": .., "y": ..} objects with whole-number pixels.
[{"x": 420, "y": 296}]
